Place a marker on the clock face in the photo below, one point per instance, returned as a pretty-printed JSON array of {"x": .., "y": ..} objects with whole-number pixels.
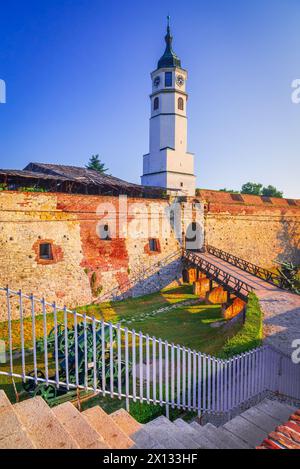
[
  {"x": 179, "y": 80},
  {"x": 156, "y": 82}
]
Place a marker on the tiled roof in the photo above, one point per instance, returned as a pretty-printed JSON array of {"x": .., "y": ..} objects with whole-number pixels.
[{"x": 285, "y": 436}]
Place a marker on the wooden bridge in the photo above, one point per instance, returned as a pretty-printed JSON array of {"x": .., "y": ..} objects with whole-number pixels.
[{"x": 238, "y": 277}]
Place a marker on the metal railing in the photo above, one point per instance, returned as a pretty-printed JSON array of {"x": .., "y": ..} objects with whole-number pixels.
[
  {"x": 229, "y": 282},
  {"x": 54, "y": 350},
  {"x": 247, "y": 266}
]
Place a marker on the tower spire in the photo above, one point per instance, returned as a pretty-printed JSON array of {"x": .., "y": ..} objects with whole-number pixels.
[{"x": 169, "y": 58}]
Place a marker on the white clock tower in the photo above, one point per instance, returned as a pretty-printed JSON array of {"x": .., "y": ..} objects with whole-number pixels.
[{"x": 168, "y": 164}]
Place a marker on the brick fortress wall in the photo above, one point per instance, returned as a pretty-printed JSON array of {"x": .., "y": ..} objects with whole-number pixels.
[
  {"x": 84, "y": 266},
  {"x": 256, "y": 229}
]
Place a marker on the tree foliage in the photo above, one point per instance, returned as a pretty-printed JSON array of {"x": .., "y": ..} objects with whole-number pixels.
[
  {"x": 252, "y": 188},
  {"x": 255, "y": 188},
  {"x": 96, "y": 164},
  {"x": 271, "y": 191}
]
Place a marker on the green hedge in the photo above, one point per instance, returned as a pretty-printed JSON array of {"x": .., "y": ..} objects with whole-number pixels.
[{"x": 251, "y": 334}]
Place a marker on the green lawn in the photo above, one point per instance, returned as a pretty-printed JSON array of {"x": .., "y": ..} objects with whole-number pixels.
[{"x": 187, "y": 325}]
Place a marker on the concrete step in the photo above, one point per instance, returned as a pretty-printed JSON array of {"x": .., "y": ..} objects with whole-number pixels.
[
  {"x": 134, "y": 430},
  {"x": 12, "y": 433},
  {"x": 245, "y": 430},
  {"x": 207, "y": 438},
  {"x": 105, "y": 426},
  {"x": 275, "y": 409},
  {"x": 220, "y": 438},
  {"x": 260, "y": 419},
  {"x": 126, "y": 422},
  {"x": 169, "y": 435},
  {"x": 232, "y": 441},
  {"x": 143, "y": 440},
  {"x": 194, "y": 433},
  {"x": 42, "y": 427},
  {"x": 78, "y": 427}
]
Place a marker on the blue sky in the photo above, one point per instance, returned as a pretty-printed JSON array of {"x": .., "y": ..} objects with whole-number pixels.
[{"x": 78, "y": 80}]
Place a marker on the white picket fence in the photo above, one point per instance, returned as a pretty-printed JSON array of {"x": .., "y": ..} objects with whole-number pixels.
[{"x": 53, "y": 350}]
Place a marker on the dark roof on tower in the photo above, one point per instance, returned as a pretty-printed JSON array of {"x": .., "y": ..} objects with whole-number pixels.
[{"x": 169, "y": 58}]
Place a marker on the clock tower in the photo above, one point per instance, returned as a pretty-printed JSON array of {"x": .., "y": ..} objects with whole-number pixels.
[{"x": 168, "y": 164}]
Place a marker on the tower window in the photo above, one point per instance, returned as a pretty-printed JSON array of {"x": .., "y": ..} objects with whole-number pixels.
[
  {"x": 180, "y": 104},
  {"x": 168, "y": 79},
  {"x": 156, "y": 104},
  {"x": 46, "y": 251}
]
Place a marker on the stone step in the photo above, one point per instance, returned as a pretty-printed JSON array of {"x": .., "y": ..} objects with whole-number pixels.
[
  {"x": 264, "y": 421},
  {"x": 126, "y": 422},
  {"x": 169, "y": 435},
  {"x": 232, "y": 441},
  {"x": 78, "y": 427},
  {"x": 104, "y": 425},
  {"x": 245, "y": 430},
  {"x": 134, "y": 430},
  {"x": 12, "y": 433},
  {"x": 42, "y": 427},
  {"x": 194, "y": 433},
  {"x": 219, "y": 437},
  {"x": 212, "y": 444},
  {"x": 143, "y": 440},
  {"x": 275, "y": 409}
]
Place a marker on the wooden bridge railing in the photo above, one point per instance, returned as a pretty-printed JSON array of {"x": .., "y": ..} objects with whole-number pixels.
[
  {"x": 247, "y": 266},
  {"x": 230, "y": 283}
]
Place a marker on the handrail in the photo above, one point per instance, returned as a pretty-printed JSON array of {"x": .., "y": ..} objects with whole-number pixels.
[
  {"x": 227, "y": 280},
  {"x": 137, "y": 366},
  {"x": 249, "y": 267}
]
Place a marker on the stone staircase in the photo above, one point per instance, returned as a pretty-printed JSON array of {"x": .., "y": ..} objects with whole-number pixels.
[{"x": 33, "y": 424}]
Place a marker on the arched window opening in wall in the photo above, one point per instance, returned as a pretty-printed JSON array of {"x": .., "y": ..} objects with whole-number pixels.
[
  {"x": 156, "y": 103},
  {"x": 180, "y": 104}
]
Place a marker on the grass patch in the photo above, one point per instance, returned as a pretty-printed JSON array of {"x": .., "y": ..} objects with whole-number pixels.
[
  {"x": 250, "y": 335},
  {"x": 186, "y": 325}
]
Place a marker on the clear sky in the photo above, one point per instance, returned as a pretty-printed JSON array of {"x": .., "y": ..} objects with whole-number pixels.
[{"x": 78, "y": 82}]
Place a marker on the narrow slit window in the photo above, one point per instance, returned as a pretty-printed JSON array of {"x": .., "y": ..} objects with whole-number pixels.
[
  {"x": 46, "y": 251},
  {"x": 153, "y": 245},
  {"x": 156, "y": 104}
]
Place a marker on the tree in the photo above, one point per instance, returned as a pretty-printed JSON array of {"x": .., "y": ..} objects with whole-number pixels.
[
  {"x": 252, "y": 188},
  {"x": 271, "y": 191},
  {"x": 96, "y": 164},
  {"x": 231, "y": 191}
]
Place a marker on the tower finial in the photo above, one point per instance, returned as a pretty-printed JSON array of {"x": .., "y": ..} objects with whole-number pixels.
[{"x": 169, "y": 59}]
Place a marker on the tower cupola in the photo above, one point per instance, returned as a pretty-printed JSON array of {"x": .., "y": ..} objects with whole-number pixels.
[{"x": 169, "y": 58}]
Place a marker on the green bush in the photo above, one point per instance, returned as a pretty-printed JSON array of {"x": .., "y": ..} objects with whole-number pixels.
[
  {"x": 143, "y": 413},
  {"x": 251, "y": 334}
]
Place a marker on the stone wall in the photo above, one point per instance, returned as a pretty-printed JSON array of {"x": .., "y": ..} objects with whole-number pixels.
[
  {"x": 85, "y": 267},
  {"x": 259, "y": 230}
]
